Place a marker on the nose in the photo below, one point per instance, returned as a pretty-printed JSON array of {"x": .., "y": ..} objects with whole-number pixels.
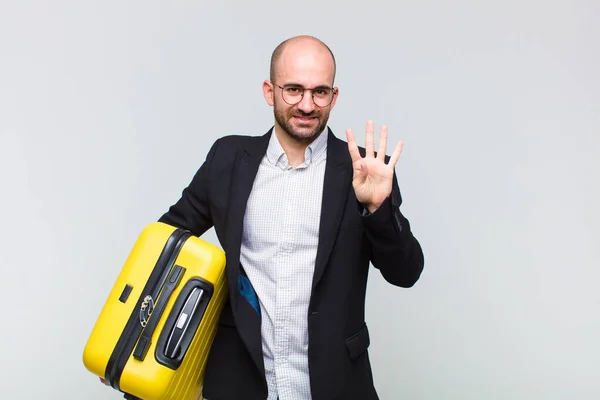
[{"x": 306, "y": 105}]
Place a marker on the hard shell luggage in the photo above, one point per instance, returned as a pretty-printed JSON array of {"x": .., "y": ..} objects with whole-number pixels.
[{"x": 152, "y": 337}]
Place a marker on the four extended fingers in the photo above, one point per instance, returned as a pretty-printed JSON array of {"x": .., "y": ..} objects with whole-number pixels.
[{"x": 370, "y": 144}]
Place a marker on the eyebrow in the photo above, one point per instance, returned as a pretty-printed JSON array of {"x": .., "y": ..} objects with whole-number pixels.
[{"x": 299, "y": 85}]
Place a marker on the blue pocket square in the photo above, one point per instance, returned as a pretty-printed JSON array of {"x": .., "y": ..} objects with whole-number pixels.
[{"x": 246, "y": 289}]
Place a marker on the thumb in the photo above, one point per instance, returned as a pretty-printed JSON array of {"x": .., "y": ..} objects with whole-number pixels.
[{"x": 360, "y": 170}]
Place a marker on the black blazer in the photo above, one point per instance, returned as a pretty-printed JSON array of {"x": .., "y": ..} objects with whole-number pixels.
[{"x": 338, "y": 335}]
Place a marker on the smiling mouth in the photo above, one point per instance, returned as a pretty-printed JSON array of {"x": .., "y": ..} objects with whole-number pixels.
[{"x": 305, "y": 119}]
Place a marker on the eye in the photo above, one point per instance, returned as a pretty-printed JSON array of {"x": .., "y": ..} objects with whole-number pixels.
[{"x": 292, "y": 89}]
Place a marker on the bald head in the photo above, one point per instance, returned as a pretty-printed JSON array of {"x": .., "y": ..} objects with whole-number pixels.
[{"x": 299, "y": 45}]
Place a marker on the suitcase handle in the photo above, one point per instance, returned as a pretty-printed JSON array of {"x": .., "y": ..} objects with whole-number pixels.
[
  {"x": 173, "y": 347},
  {"x": 183, "y": 322}
]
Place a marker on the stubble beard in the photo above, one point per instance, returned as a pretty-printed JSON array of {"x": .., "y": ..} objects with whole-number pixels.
[{"x": 284, "y": 118}]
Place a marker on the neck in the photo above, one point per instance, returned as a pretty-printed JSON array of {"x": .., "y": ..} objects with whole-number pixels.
[{"x": 294, "y": 149}]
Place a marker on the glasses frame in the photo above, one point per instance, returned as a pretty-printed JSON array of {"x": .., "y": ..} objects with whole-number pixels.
[{"x": 312, "y": 94}]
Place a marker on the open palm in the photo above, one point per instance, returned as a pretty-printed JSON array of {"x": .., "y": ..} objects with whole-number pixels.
[{"x": 372, "y": 180}]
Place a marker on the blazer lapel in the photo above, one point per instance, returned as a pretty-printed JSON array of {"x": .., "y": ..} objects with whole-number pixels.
[
  {"x": 247, "y": 320},
  {"x": 335, "y": 192}
]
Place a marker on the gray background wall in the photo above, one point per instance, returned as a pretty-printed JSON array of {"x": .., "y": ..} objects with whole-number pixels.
[{"x": 108, "y": 108}]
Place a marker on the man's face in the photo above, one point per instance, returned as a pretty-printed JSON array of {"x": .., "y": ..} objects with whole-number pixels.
[
  {"x": 304, "y": 121},
  {"x": 307, "y": 68}
]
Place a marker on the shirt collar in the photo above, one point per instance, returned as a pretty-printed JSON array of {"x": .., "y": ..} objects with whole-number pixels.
[{"x": 314, "y": 151}]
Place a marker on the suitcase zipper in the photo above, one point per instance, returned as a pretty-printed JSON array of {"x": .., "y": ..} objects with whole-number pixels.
[
  {"x": 143, "y": 344},
  {"x": 135, "y": 325}
]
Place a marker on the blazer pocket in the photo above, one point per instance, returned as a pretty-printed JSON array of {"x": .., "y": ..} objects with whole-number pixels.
[{"x": 358, "y": 343}]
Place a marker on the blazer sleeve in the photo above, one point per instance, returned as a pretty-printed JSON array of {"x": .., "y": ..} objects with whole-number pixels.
[
  {"x": 192, "y": 210},
  {"x": 394, "y": 249}
]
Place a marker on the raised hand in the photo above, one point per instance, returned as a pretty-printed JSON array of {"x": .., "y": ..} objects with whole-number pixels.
[{"x": 372, "y": 180}]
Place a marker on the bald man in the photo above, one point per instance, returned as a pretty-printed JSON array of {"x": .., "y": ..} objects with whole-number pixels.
[{"x": 301, "y": 215}]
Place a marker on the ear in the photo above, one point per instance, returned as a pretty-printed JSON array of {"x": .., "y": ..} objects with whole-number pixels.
[{"x": 267, "y": 88}]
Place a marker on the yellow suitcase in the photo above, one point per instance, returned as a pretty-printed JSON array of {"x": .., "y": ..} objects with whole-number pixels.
[{"x": 153, "y": 335}]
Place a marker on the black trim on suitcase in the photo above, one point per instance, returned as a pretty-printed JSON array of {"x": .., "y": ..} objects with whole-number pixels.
[
  {"x": 153, "y": 287},
  {"x": 146, "y": 339},
  {"x": 179, "y": 331}
]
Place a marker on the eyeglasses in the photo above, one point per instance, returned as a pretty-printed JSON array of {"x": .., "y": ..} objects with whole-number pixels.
[{"x": 293, "y": 94}]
